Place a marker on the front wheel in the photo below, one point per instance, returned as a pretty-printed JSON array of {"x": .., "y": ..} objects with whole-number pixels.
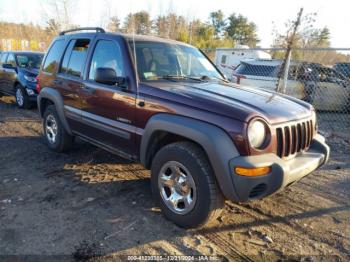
[
  {"x": 56, "y": 136},
  {"x": 184, "y": 185},
  {"x": 22, "y": 98}
]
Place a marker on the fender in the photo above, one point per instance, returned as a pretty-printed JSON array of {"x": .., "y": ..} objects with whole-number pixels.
[
  {"x": 55, "y": 97},
  {"x": 217, "y": 144}
]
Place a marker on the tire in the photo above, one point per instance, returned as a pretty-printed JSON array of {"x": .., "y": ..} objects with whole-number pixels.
[
  {"x": 206, "y": 198},
  {"x": 56, "y": 136},
  {"x": 22, "y": 98}
]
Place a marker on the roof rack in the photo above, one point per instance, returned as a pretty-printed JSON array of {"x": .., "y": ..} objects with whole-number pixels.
[{"x": 97, "y": 29}]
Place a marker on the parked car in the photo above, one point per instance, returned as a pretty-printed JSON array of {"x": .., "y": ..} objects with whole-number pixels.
[
  {"x": 327, "y": 89},
  {"x": 164, "y": 104},
  {"x": 18, "y": 72},
  {"x": 343, "y": 68},
  {"x": 324, "y": 87}
]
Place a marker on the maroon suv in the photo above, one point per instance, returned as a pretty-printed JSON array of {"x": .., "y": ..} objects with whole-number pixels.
[{"x": 165, "y": 104}]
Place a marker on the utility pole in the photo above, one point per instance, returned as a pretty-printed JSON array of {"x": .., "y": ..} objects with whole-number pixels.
[{"x": 283, "y": 73}]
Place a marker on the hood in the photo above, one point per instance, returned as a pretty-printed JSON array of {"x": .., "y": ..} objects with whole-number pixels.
[
  {"x": 30, "y": 71},
  {"x": 238, "y": 102}
]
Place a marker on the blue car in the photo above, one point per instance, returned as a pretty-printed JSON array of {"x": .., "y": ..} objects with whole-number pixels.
[{"x": 18, "y": 72}]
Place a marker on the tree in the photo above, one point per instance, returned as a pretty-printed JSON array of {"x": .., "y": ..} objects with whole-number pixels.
[
  {"x": 139, "y": 22},
  {"x": 241, "y": 30},
  {"x": 217, "y": 20},
  {"x": 53, "y": 27},
  {"x": 307, "y": 35},
  {"x": 321, "y": 37},
  {"x": 114, "y": 24},
  {"x": 161, "y": 26}
]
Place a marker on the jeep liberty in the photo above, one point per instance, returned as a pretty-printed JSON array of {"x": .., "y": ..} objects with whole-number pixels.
[{"x": 164, "y": 103}]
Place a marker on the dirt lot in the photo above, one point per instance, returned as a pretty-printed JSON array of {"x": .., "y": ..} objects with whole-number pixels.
[{"x": 89, "y": 203}]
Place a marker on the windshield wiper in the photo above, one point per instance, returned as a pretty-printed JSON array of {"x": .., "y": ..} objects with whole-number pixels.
[
  {"x": 205, "y": 77},
  {"x": 181, "y": 77}
]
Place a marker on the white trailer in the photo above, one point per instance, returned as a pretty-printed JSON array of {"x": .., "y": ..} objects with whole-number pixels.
[{"x": 227, "y": 59}]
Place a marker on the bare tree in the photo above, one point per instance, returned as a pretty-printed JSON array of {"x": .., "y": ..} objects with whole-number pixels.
[{"x": 60, "y": 11}]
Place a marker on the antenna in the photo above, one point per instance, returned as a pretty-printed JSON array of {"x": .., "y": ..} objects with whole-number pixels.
[{"x": 134, "y": 50}]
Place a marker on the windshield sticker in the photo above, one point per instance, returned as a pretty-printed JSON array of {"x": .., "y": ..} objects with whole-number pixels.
[{"x": 148, "y": 75}]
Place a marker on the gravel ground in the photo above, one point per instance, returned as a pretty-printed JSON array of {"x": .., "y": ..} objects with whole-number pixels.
[{"x": 90, "y": 204}]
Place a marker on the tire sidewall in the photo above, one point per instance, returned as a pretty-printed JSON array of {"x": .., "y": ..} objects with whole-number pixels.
[
  {"x": 18, "y": 87},
  {"x": 50, "y": 110},
  {"x": 202, "y": 206}
]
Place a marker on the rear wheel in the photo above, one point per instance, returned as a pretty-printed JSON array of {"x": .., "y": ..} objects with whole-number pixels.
[
  {"x": 184, "y": 186},
  {"x": 22, "y": 98},
  {"x": 56, "y": 136}
]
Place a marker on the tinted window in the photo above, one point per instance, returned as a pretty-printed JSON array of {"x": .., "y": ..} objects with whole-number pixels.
[
  {"x": 64, "y": 67},
  {"x": 53, "y": 57},
  {"x": 223, "y": 59},
  {"x": 3, "y": 58},
  {"x": 29, "y": 60},
  {"x": 107, "y": 54},
  {"x": 256, "y": 70},
  {"x": 11, "y": 60},
  {"x": 343, "y": 68},
  {"x": 77, "y": 57}
]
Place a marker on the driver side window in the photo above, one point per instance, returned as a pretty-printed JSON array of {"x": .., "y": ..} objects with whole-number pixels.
[
  {"x": 11, "y": 60},
  {"x": 107, "y": 54}
]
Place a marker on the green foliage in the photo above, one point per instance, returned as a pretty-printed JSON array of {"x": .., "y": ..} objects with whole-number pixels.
[
  {"x": 139, "y": 22},
  {"x": 217, "y": 20},
  {"x": 241, "y": 30},
  {"x": 114, "y": 24}
]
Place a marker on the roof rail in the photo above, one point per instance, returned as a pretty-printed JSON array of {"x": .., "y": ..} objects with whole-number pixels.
[{"x": 97, "y": 29}]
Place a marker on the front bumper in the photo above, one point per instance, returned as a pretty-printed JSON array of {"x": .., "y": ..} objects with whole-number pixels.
[{"x": 283, "y": 172}]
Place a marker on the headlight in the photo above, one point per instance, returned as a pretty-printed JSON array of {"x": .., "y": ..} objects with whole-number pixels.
[
  {"x": 257, "y": 132},
  {"x": 29, "y": 78}
]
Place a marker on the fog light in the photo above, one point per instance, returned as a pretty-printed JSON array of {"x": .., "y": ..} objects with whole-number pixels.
[
  {"x": 30, "y": 92},
  {"x": 258, "y": 171}
]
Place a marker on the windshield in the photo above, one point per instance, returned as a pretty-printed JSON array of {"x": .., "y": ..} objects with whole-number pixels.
[
  {"x": 156, "y": 60},
  {"x": 29, "y": 60}
]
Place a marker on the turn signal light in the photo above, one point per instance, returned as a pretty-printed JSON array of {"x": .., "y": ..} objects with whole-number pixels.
[{"x": 258, "y": 171}]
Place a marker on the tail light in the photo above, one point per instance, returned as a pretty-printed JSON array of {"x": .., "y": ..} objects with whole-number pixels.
[{"x": 37, "y": 86}]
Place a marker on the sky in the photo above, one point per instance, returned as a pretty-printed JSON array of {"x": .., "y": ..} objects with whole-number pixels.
[{"x": 266, "y": 14}]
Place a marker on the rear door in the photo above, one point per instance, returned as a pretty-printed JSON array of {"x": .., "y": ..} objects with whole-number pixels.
[
  {"x": 108, "y": 110},
  {"x": 69, "y": 80}
]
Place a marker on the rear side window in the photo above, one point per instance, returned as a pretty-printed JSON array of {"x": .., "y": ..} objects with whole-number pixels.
[
  {"x": 53, "y": 57},
  {"x": 107, "y": 54},
  {"x": 75, "y": 56},
  {"x": 256, "y": 70}
]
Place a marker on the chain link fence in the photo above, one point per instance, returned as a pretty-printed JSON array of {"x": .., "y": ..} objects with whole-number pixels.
[{"x": 320, "y": 76}]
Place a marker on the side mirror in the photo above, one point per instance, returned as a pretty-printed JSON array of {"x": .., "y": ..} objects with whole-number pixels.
[
  {"x": 105, "y": 75},
  {"x": 8, "y": 66},
  {"x": 108, "y": 76}
]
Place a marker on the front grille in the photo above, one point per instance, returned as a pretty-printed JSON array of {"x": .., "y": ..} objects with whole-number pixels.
[{"x": 294, "y": 138}]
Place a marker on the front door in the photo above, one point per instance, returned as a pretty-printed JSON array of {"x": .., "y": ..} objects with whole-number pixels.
[
  {"x": 9, "y": 74},
  {"x": 109, "y": 110}
]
